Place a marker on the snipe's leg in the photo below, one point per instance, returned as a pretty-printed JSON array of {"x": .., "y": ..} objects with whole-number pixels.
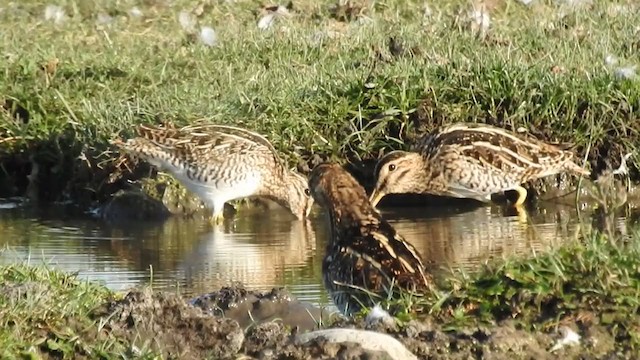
[
  {"x": 217, "y": 219},
  {"x": 519, "y": 204},
  {"x": 522, "y": 195},
  {"x": 218, "y": 215}
]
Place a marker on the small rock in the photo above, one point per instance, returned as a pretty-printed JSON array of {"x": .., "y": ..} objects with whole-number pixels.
[
  {"x": 55, "y": 13},
  {"x": 133, "y": 206},
  {"x": 104, "y": 19},
  {"x": 569, "y": 338},
  {"x": 187, "y": 21},
  {"x": 369, "y": 340},
  {"x": 208, "y": 36},
  {"x": 135, "y": 12},
  {"x": 628, "y": 72},
  {"x": 266, "y": 21},
  {"x": 267, "y": 335}
]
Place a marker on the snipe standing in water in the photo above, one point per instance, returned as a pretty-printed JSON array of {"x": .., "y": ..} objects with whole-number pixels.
[
  {"x": 471, "y": 161},
  {"x": 366, "y": 259},
  {"x": 222, "y": 163}
]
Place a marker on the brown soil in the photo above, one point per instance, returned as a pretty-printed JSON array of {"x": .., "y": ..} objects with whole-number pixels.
[
  {"x": 248, "y": 307},
  {"x": 166, "y": 323}
]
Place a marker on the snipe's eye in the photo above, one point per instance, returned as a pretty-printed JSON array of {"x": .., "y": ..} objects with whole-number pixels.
[
  {"x": 392, "y": 167},
  {"x": 307, "y": 192}
]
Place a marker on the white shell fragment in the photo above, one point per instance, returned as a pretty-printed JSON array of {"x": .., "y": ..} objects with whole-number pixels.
[
  {"x": 54, "y": 13},
  {"x": 208, "y": 36},
  {"x": 569, "y": 338}
]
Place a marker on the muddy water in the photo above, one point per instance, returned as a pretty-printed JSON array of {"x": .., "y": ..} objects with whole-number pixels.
[{"x": 259, "y": 249}]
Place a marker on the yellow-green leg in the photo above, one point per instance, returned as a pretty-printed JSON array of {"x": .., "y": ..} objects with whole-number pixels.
[
  {"x": 519, "y": 204},
  {"x": 218, "y": 215},
  {"x": 522, "y": 195},
  {"x": 217, "y": 219}
]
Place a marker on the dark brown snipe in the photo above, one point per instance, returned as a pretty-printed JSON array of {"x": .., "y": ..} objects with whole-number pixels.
[
  {"x": 221, "y": 163},
  {"x": 471, "y": 161},
  {"x": 366, "y": 260}
]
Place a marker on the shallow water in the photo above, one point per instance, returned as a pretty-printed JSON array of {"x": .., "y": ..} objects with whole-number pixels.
[{"x": 259, "y": 249}]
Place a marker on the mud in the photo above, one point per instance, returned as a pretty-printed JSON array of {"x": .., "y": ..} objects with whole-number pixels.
[
  {"x": 178, "y": 329},
  {"x": 165, "y": 323},
  {"x": 250, "y": 307}
]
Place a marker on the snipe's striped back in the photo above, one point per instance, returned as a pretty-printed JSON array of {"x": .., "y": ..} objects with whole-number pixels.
[
  {"x": 471, "y": 161},
  {"x": 221, "y": 163},
  {"x": 366, "y": 259}
]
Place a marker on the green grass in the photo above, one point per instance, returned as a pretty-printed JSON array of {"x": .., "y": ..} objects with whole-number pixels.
[
  {"x": 591, "y": 283},
  {"x": 316, "y": 85},
  {"x": 312, "y": 84},
  {"x": 596, "y": 274},
  {"x": 44, "y": 312}
]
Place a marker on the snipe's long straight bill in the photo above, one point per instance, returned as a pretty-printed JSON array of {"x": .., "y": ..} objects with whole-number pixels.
[{"x": 375, "y": 197}]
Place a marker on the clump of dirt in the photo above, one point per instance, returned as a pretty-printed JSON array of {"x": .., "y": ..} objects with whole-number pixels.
[
  {"x": 248, "y": 307},
  {"x": 262, "y": 338},
  {"x": 167, "y": 324},
  {"x": 12, "y": 292},
  {"x": 133, "y": 206},
  {"x": 15, "y": 110}
]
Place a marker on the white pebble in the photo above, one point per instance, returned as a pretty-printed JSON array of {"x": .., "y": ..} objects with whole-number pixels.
[
  {"x": 370, "y": 340},
  {"x": 610, "y": 60},
  {"x": 623, "y": 169},
  {"x": 54, "y": 13},
  {"x": 626, "y": 73},
  {"x": 208, "y": 36},
  {"x": 266, "y": 21},
  {"x": 135, "y": 12},
  {"x": 480, "y": 20},
  {"x": 378, "y": 314},
  {"x": 569, "y": 338},
  {"x": 187, "y": 21},
  {"x": 104, "y": 19}
]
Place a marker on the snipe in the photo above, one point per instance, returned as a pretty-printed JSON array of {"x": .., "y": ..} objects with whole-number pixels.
[
  {"x": 471, "y": 161},
  {"x": 221, "y": 163},
  {"x": 366, "y": 260}
]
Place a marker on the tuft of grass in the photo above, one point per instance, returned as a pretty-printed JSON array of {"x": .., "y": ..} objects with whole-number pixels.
[
  {"x": 593, "y": 281},
  {"x": 47, "y": 312},
  {"x": 323, "y": 81}
]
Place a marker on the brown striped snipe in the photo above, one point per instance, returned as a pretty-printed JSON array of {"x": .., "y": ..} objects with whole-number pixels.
[
  {"x": 471, "y": 161},
  {"x": 222, "y": 163},
  {"x": 366, "y": 260}
]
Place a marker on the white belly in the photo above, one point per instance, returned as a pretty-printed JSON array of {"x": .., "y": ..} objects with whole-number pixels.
[{"x": 216, "y": 192}]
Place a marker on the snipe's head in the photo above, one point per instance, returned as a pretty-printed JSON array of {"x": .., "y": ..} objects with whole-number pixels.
[
  {"x": 335, "y": 189},
  {"x": 298, "y": 195},
  {"x": 319, "y": 179},
  {"x": 396, "y": 173}
]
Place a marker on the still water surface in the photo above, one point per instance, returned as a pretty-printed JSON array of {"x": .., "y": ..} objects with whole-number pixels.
[{"x": 260, "y": 249}]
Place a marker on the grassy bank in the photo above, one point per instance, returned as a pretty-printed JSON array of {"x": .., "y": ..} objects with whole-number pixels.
[
  {"x": 590, "y": 285},
  {"x": 325, "y": 81}
]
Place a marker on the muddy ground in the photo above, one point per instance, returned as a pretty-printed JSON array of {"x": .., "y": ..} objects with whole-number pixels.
[{"x": 168, "y": 324}]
